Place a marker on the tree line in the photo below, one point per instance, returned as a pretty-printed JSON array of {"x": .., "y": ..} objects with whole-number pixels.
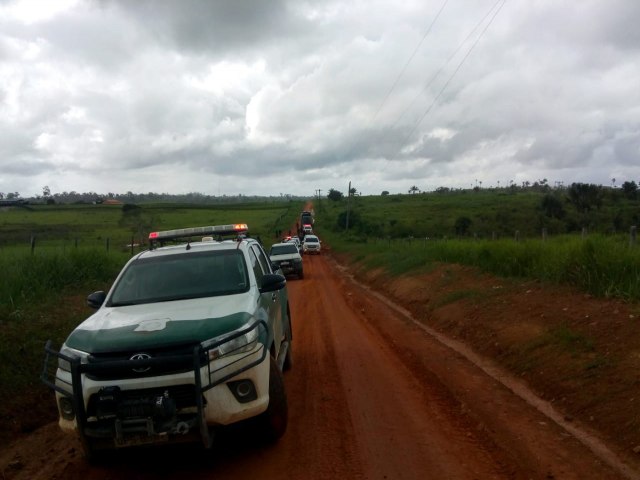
[{"x": 74, "y": 197}]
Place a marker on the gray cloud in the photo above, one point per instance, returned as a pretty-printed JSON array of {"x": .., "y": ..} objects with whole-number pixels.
[{"x": 218, "y": 96}]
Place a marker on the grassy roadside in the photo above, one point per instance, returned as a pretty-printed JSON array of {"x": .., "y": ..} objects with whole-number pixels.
[
  {"x": 604, "y": 266},
  {"x": 40, "y": 301}
]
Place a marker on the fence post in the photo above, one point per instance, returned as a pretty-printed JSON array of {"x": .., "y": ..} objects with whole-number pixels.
[
  {"x": 107, "y": 244},
  {"x": 584, "y": 232},
  {"x": 517, "y": 235},
  {"x": 33, "y": 244},
  {"x": 544, "y": 234},
  {"x": 132, "y": 246},
  {"x": 632, "y": 235},
  {"x": 493, "y": 235}
]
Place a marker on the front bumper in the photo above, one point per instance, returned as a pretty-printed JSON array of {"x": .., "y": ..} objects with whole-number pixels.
[{"x": 166, "y": 408}]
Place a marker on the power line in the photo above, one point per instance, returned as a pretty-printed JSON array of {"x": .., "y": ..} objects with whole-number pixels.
[
  {"x": 437, "y": 74},
  {"x": 408, "y": 61},
  {"x": 361, "y": 135},
  {"x": 453, "y": 74}
]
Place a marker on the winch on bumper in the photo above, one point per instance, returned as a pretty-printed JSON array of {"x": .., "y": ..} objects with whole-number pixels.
[{"x": 146, "y": 399}]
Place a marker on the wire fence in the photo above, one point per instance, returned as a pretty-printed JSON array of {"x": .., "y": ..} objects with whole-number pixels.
[
  {"x": 37, "y": 243},
  {"x": 544, "y": 236}
]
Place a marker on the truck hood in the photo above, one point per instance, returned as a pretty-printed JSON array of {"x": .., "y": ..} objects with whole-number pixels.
[{"x": 182, "y": 322}]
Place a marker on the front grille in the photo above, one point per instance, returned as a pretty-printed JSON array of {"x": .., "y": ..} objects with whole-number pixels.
[{"x": 119, "y": 365}]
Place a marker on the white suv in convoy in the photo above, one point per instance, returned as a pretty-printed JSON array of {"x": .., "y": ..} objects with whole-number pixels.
[
  {"x": 311, "y": 244},
  {"x": 190, "y": 337},
  {"x": 287, "y": 257}
]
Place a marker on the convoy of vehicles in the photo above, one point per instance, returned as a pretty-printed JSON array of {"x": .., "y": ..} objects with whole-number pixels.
[
  {"x": 190, "y": 337},
  {"x": 287, "y": 257}
]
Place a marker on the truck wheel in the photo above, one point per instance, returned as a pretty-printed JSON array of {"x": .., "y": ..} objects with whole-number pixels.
[
  {"x": 300, "y": 274},
  {"x": 273, "y": 422}
]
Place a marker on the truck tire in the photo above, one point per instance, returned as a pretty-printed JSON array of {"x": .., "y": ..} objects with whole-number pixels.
[{"x": 273, "y": 422}]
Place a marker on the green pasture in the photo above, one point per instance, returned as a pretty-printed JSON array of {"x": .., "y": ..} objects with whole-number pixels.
[
  {"x": 115, "y": 227},
  {"x": 592, "y": 251},
  {"x": 490, "y": 213},
  {"x": 48, "y": 248}
]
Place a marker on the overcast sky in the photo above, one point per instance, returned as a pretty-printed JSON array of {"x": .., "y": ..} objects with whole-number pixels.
[{"x": 269, "y": 97}]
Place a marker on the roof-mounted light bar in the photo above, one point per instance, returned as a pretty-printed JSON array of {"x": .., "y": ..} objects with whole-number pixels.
[{"x": 235, "y": 228}]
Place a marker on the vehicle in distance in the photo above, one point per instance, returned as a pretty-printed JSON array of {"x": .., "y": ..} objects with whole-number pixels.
[
  {"x": 307, "y": 229},
  {"x": 306, "y": 218},
  {"x": 287, "y": 257},
  {"x": 295, "y": 240},
  {"x": 311, "y": 244},
  {"x": 190, "y": 337}
]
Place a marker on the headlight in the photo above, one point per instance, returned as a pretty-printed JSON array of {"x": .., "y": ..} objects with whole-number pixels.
[
  {"x": 241, "y": 344},
  {"x": 70, "y": 352}
]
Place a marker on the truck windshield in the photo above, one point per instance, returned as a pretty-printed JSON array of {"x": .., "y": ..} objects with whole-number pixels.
[{"x": 177, "y": 277}]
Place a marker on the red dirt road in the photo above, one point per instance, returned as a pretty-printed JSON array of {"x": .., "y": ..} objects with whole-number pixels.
[{"x": 372, "y": 395}]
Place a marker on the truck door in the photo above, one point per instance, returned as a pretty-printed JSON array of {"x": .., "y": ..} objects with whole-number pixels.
[{"x": 270, "y": 302}]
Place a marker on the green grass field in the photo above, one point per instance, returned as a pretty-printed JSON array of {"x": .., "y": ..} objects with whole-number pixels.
[
  {"x": 408, "y": 233},
  {"x": 47, "y": 248},
  {"x": 499, "y": 213}
]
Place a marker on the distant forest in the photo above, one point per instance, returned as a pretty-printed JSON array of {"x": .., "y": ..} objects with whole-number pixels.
[
  {"x": 583, "y": 195},
  {"x": 74, "y": 197}
]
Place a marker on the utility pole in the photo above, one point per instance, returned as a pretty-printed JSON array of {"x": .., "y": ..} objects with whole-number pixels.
[
  {"x": 319, "y": 191},
  {"x": 348, "y": 204}
]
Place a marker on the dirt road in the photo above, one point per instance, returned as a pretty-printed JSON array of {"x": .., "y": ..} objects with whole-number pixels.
[{"x": 372, "y": 395}]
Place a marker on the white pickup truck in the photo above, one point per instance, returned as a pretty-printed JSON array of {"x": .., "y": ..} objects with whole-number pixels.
[{"x": 190, "y": 337}]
